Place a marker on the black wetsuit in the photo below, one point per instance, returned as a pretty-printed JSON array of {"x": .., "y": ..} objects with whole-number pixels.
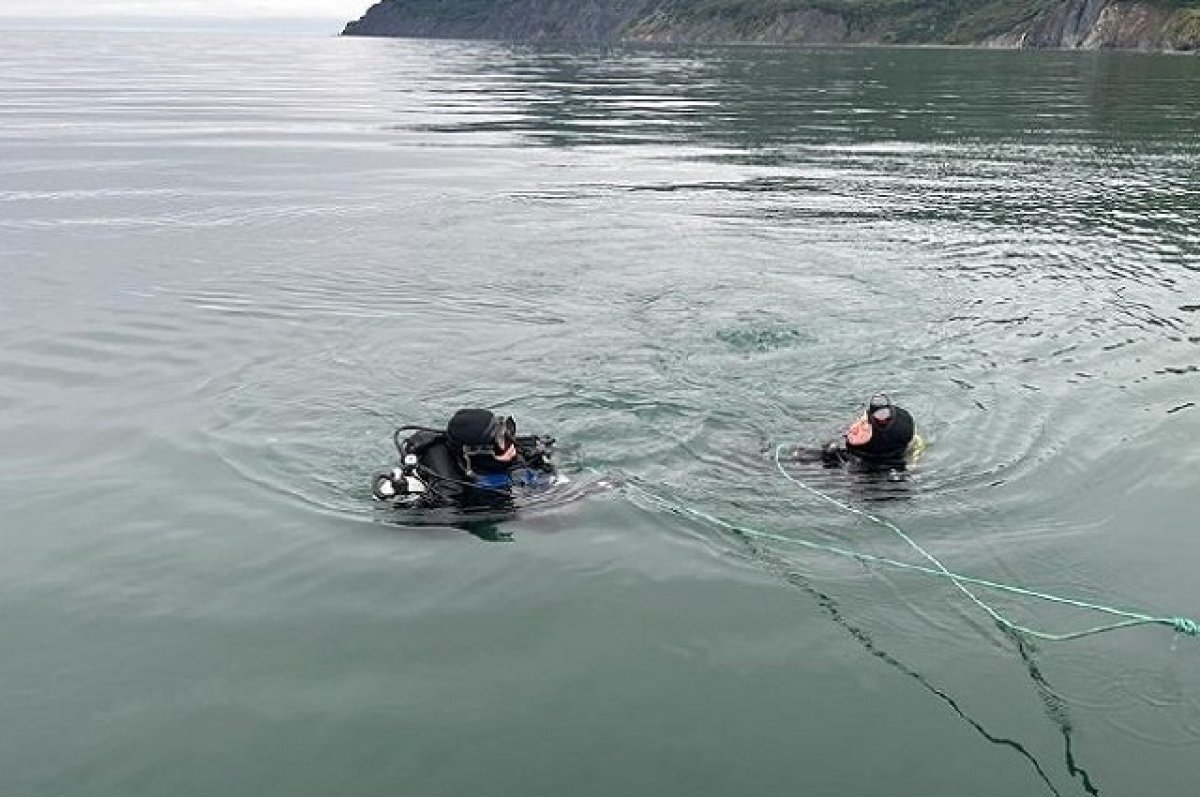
[
  {"x": 888, "y": 444},
  {"x": 443, "y": 466},
  {"x": 886, "y": 450}
]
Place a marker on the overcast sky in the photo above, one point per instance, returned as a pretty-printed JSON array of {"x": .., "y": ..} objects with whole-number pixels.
[{"x": 232, "y": 9}]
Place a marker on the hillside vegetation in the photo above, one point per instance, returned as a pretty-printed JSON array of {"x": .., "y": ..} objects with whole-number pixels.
[{"x": 1144, "y": 25}]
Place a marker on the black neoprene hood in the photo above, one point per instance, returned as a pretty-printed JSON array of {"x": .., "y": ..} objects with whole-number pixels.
[{"x": 473, "y": 427}]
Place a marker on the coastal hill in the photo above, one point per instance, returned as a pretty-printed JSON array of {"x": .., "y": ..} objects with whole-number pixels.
[{"x": 1087, "y": 24}]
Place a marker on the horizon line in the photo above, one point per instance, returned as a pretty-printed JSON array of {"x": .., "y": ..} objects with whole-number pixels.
[{"x": 180, "y": 22}]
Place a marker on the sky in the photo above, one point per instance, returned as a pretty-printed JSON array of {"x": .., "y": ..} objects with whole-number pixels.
[{"x": 223, "y": 9}]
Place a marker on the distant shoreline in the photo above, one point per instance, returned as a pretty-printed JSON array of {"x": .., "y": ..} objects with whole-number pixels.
[
  {"x": 1141, "y": 25},
  {"x": 751, "y": 45}
]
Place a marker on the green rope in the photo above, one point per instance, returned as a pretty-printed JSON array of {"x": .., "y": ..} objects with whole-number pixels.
[{"x": 1181, "y": 625}]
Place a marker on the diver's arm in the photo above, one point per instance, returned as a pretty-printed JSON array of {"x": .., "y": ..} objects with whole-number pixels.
[
  {"x": 804, "y": 454},
  {"x": 835, "y": 453},
  {"x": 831, "y": 455}
]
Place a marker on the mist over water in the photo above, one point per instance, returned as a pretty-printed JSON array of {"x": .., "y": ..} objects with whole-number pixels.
[{"x": 230, "y": 266}]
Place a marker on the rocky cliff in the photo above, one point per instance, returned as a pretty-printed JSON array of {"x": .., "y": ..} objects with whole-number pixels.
[
  {"x": 1090, "y": 24},
  {"x": 1107, "y": 24}
]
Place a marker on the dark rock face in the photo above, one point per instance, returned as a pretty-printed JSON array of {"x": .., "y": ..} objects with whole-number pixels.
[
  {"x": 1091, "y": 24},
  {"x": 1067, "y": 26},
  {"x": 1104, "y": 24}
]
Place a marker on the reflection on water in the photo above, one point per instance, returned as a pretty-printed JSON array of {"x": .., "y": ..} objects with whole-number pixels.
[{"x": 830, "y": 605}]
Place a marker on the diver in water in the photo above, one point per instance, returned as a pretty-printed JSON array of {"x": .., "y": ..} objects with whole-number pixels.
[
  {"x": 883, "y": 438},
  {"x": 474, "y": 463}
]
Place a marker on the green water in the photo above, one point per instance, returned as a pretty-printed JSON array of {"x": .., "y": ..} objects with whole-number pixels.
[{"x": 229, "y": 266}]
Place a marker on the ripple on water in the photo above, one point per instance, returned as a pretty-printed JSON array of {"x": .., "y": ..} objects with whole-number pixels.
[
  {"x": 762, "y": 338},
  {"x": 232, "y": 285}
]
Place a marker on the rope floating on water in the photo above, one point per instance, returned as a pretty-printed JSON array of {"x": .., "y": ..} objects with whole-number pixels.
[{"x": 1182, "y": 625}]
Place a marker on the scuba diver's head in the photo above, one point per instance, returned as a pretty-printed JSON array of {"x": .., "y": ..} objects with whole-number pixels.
[
  {"x": 484, "y": 435},
  {"x": 877, "y": 416}
]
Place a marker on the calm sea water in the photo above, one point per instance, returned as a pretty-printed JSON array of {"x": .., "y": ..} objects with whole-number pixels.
[{"x": 229, "y": 266}]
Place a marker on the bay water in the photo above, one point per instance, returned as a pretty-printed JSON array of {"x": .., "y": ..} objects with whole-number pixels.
[{"x": 231, "y": 265}]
